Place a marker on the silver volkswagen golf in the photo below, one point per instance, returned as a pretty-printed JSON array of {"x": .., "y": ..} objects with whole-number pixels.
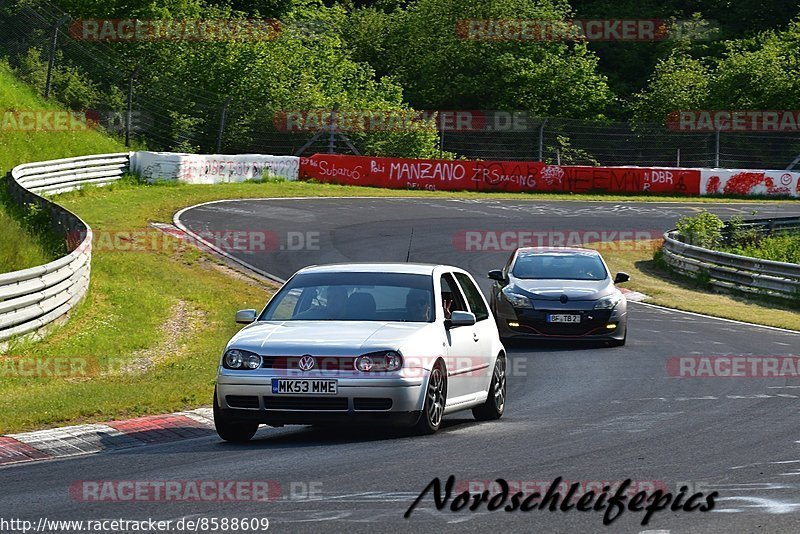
[{"x": 377, "y": 343}]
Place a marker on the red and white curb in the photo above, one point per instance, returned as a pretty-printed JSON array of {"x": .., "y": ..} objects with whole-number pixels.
[
  {"x": 633, "y": 296},
  {"x": 89, "y": 439}
]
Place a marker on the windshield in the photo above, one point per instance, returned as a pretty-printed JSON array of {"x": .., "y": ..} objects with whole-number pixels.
[
  {"x": 572, "y": 266},
  {"x": 353, "y": 297}
]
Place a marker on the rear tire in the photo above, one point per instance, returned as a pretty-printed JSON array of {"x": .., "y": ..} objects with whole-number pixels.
[
  {"x": 234, "y": 431},
  {"x": 495, "y": 403},
  {"x": 435, "y": 401}
]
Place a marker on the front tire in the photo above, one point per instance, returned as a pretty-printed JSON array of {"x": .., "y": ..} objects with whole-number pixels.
[
  {"x": 495, "y": 403},
  {"x": 234, "y": 431},
  {"x": 435, "y": 401}
]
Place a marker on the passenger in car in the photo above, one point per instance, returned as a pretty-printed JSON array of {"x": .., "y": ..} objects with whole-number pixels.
[{"x": 447, "y": 304}]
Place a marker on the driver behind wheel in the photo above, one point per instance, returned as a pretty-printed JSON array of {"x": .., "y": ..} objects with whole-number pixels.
[{"x": 418, "y": 306}]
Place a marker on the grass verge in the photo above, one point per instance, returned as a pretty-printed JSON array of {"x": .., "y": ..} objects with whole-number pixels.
[
  {"x": 22, "y": 244},
  {"x": 665, "y": 289}
]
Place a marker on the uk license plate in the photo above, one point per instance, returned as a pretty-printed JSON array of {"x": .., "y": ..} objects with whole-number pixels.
[
  {"x": 282, "y": 386},
  {"x": 563, "y": 318}
]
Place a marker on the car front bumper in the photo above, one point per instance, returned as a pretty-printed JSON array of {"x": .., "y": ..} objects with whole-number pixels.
[
  {"x": 249, "y": 397},
  {"x": 532, "y": 324}
]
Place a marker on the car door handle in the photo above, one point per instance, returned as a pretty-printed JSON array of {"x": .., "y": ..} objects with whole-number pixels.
[{"x": 475, "y": 336}]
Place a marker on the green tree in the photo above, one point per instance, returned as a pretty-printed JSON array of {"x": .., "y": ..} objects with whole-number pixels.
[
  {"x": 440, "y": 69},
  {"x": 762, "y": 72},
  {"x": 679, "y": 82}
]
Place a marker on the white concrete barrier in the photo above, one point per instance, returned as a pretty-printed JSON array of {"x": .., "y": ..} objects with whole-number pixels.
[{"x": 212, "y": 168}]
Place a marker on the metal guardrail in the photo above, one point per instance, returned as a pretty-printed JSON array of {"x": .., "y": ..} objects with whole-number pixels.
[
  {"x": 735, "y": 272},
  {"x": 34, "y": 298}
]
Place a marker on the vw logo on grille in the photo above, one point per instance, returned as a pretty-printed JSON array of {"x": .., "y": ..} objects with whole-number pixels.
[
  {"x": 563, "y": 299},
  {"x": 306, "y": 363}
]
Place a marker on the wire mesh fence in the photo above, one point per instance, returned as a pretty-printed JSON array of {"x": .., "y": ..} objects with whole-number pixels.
[
  {"x": 571, "y": 141},
  {"x": 139, "y": 100}
]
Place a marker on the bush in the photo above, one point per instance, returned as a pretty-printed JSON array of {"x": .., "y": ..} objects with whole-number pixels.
[
  {"x": 740, "y": 236},
  {"x": 785, "y": 248},
  {"x": 70, "y": 86},
  {"x": 702, "y": 230}
]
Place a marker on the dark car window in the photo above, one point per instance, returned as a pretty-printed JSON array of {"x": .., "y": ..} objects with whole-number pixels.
[
  {"x": 559, "y": 266},
  {"x": 507, "y": 266},
  {"x": 474, "y": 297},
  {"x": 451, "y": 296}
]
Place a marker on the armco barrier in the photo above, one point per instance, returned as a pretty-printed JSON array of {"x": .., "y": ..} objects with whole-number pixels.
[
  {"x": 735, "y": 272},
  {"x": 33, "y": 298}
]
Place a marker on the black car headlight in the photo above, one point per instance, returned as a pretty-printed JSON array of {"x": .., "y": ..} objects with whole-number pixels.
[
  {"x": 609, "y": 302},
  {"x": 241, "y": 360},
  {"x": 515, "y": 299},
  {"x": 382, "y": 361}
]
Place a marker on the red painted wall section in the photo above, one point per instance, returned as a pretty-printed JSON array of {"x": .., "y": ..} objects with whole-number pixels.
[{"x": 511, "y": 176}]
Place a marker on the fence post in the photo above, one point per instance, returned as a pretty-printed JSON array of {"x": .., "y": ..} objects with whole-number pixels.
[
  {"x": 332, "y": 132},
  {"x": 541, "y": 140},
  {"x": 130, "y": 105},
  {"x": 678, "y": 162},
  {"x": 558, "y": 157},
  {"x": 716, "y": 150},
  {"x": 441, "y": 134},
  {"x": 222, "y": 118},
  {"x": 51, "y": 62}
]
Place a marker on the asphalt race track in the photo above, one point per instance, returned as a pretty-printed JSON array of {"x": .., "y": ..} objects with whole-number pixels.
[{"x": 581, "y": 413}]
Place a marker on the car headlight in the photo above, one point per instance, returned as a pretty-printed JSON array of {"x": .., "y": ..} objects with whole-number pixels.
[
  {"x": 241, "y": 359},
  {"x": 608, "y": 303},
  {"x": 516, "y": 300},
  {"x": 383, "y": 361}
]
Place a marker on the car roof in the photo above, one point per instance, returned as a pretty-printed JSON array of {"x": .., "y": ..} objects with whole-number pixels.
[
  {"x": 400, "y": 268},
  {"x": 563, "y": 250}
]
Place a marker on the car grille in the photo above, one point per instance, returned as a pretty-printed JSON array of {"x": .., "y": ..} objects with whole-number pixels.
[
  {"x": 306, "y": 403},
  {"x": 323, "y": 363},
  {"x": 535, "y": 322},
  {"x": 372, "y": 404},
  {"x": 241, "y": 401}
]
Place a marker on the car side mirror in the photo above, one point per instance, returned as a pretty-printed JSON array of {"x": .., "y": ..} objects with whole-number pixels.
[
  {"x": 621, "y": 277},
  {"x": 246, "y": 316},
  {"x": 497, "y": 274},
  {"x": 460, "y": 318}
]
